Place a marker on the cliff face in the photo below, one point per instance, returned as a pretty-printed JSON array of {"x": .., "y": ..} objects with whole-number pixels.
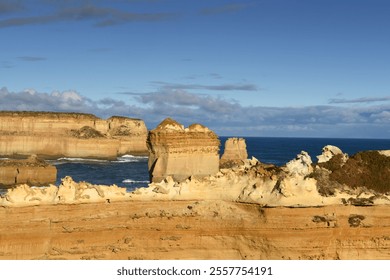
[
  {"x": 31, "y": 171},
  {"x": 235, "y": 153},
  {"x": 182, "y": 152},
  {"x": 172, "y": 230},
  {"x": 70, "y": 135}
]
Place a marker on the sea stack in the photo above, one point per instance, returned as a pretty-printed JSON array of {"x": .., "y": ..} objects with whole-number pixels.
[
  {"x": 235, "y": 152},
  {"x": 32, "y": 171},
  {"x": 182, "y": 152}
]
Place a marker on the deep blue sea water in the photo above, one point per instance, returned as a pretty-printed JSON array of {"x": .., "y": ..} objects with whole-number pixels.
[{"x": 132, "y": 172}]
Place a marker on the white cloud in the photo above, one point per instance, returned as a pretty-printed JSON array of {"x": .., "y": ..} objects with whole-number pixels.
[{"x": 226, "y": 117}]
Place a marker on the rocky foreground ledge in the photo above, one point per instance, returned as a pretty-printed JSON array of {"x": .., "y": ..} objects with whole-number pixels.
[{"x": 299, "y": 183}]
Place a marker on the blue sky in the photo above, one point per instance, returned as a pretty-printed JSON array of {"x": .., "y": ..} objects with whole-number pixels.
[{"x": 312, "y": 68}]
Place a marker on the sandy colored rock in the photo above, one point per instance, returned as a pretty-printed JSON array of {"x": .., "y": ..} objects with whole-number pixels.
[
  {"x": 68, "y": 192},
  {"x": 301, "y": 165},
  {"x": 70, "y": 135},
  {"x": 253, "y": 182},
  {"x": 234, "y": 153},
  {"x": 140, "y": 230},
  {"x": 32, "y": 171},
  {"x": 329, "y": 151},
  {"x": 182, "y": 152},
  {"x": 385, "y": 153},
  {"x": 267, "y": 185}
]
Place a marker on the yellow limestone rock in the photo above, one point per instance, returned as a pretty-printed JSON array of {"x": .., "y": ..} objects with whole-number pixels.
[
  {"x": 182, "y": 152},
  {"x": 70, "y": 135},
  {"x": 235, "y": 152},
  {"x": 31, "y": 171}
]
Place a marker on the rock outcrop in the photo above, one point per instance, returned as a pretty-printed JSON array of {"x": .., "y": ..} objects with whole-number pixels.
[
  {"x": 68, "y": 192},
  {"x": 53, "y": 135},
  {"x": 298, "y": 184},
  {"x": 32, "y": 171},
  {"x": 329, "y": 151},
  {"x": 182, "y": 152},
  {"x": 301, "y": 165},
  {"x": 235, "y": 153}
]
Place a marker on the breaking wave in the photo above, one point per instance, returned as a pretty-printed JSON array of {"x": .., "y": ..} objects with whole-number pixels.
[
  {"x": 121, "y": 159},
  {"x": 130, "y": 158},
  {"x": 129, "y": 181},
  {"x": 77, "y": 160}
]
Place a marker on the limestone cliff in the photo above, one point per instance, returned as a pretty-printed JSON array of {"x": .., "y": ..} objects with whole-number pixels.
[
  {"x": 31, "y": 171},
  {"x": 235, "y": 152},
  {"x": 70, "y": 135},
  {"x": 182, "y": 152}
]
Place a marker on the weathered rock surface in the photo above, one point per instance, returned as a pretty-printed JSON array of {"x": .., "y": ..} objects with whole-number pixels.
[
  {"x": 182, "y": 152},
  {"x": 329, "y": 151},
  {"x": 32, "y": 171},
  {"x": 235, "y": 153},
  {"x": 297, "y": 184},
  {"x": 139, "y": 230},
  {"x": 68, "y": 192},
  {"x": 219, "y": 216},
  {"x": 70, "y": 135},
  {"x": 301, "y": 165}
]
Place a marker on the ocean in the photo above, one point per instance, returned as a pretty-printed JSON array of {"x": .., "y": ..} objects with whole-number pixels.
[{"x": 132, "y": 171}]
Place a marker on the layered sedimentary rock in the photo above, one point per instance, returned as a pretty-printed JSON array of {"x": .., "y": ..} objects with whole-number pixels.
[
  {"x": 140, "y": 230},
  {"x": 234, "y": 153},
  {"x": 182, "y": 152},
  {"x": 32, "y": 171},
  {"x": 70, "y": 135}
]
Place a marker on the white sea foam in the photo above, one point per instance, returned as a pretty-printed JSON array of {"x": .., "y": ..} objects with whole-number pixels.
[
  {"x": 121, "y": 159},
  {"x": 130, "y": 158},
  {"x": 129, "y": 181},
  {"x": 80, "y": 160}
]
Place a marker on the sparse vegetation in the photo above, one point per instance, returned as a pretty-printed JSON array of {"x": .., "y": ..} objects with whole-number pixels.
[
  {"x": 86, "y": 132},
  {"x": 355, "y": 220},
  {"x": 367, "y": 169}
]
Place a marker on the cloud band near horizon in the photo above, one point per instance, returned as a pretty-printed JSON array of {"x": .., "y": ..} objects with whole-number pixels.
[{"x": 226, "y": 117}]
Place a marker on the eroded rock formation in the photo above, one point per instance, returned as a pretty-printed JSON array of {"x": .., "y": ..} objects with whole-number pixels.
[
  {"x": 32, "y": 171},
  {"x": 182, "y": 152},
  {"x": 329, "y": 151},
  {"x": 235, "y": 153},
  {"x": 70, "y": 135},
  {"x": 297, "y": 184},
  {"x": 68, "y": 192}
]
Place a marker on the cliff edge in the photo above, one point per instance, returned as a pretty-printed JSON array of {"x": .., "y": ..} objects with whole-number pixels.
[{"x": 52, "y": 135}]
